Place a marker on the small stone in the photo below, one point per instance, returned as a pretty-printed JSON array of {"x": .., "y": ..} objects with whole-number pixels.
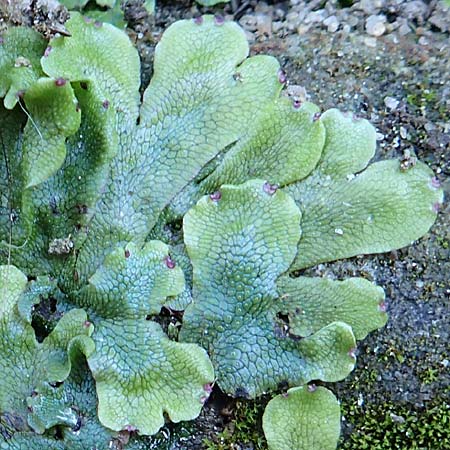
[
  {"x": 423, "y": 41},
  {"x": 360, "y": 399},
  {"x": 297, "y": 92},
  {"x": 397, "y": 419},
  {"x": 440, "y": 21},
  {"x": 22, "y": 62},
  {"x": 277, "y": 26},
  {"x": 391, "y": 103},
  {"x": 293, "y": 18},
  {"x": 61, "y": 246},
  {"x": 339, "y": 231},
  {"x": 430, "y": 126},
  {"x": 370, "y": 42},
  {"x": 303, "y": 29},
  {"x": 415, "y": 10},
  {"x": 316, "y": 16},
  {"x": 403, "y": 133},
  {"x": 404, "y": 28},
  {"x": 331, "y": 23},
  {"x": 375, "y": 25},
  {"x": 249, "y": 22},
  {"x": 264, "y": 24},
  {"x": 371, "y": 6}
]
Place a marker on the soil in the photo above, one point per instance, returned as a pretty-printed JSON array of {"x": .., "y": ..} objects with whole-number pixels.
[{"x": 387, "y": 61}]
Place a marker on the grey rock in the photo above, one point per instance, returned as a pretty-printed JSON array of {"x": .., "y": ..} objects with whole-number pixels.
[
  {"x": 331, "y": 23},
  {"x": 375, "y": 25},
  {"x": 370, "y": 6}
]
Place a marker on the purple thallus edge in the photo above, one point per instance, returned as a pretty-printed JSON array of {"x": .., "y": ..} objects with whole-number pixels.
[
  {"x": 296, "y": 103},
  {"x": 170, "y": 263},
  {"x": 59, "y": 82},
  {"x": 208, "y": 387},
  {"x": 382, "y": 307},
  {"x": 436, "y": 207},
  {"x": 312, "y": 387},
  {"x": 270, "y": 188},
  {"x": 198, "y": 20},
  {"x": 435, "y": 183},
  {"x": 47, "y": 51},
  {"x": 282, "y": 78},
  {"x": 215, "y": 196},
  {"x": 219, "y": 19},
  {"x": 352, "y": 353}
]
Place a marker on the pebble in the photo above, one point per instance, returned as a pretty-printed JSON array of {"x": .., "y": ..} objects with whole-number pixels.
[
  {"x": 303, "y": 29},
  {"x": 264, "y": 24},
  {"x": 391, "y": 103},
  {"x": 248, "y": 22},
  {"x": 440, "y": 21},
  {"x": 415, "y": 9},
  {"x": 316, "y": 16},
  {"x": 277, "y": 26},
  {"x": 423, "y": 41},
  {"x": 370, "y": 42},
  {"x": 429, "y": 126},
  {"x": 404, "y": 27},
  {"x": 371, "y": 6},
  {"x": 331, "y": 23},
  {"x": 293, "y": 17},
  {"x": 297, "y": 91},
  {"x": 397, "y": 419},
  {"x": 375, "y": 25}
]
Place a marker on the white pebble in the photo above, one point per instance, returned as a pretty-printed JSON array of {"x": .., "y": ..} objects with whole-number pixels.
[{"x": 375, "y": 25}]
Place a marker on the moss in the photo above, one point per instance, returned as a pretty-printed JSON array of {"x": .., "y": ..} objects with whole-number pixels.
[
  {"x": 245, "y": 428},
  {"x": 390, "y": 426}
]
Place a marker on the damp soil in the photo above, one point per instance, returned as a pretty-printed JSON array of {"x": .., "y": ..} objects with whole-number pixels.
[{"x": 387, "y": 61}]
